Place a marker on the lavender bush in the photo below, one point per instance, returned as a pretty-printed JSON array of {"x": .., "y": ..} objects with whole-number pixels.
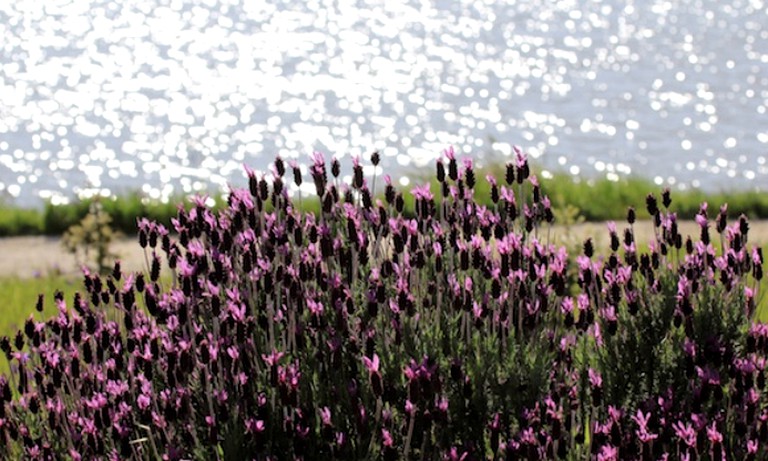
[{"x": 455, "y": 332}]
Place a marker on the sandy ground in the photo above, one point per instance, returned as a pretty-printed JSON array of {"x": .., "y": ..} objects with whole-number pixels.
[{"x": 38, "y": 256}]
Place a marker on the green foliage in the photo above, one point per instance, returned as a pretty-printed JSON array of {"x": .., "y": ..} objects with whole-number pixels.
[
  {"x": 603, "y": 200},
  {"x": 19, "y": 221},
  {"x": 641, "y": 359},
  {"x": 124, "y": 211}
]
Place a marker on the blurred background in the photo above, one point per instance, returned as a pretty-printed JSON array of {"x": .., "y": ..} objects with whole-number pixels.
[{"x": 168, "y": 97}]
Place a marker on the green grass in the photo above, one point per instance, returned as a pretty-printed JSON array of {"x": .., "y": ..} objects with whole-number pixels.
[
  {"x": 601, "y": 199},
  {"x": 20, "y": 298},
  {"x": 762, "y": 302}
]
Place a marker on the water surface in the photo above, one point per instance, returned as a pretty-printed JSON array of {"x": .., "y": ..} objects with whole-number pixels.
[{"x": 174, "y": 96}]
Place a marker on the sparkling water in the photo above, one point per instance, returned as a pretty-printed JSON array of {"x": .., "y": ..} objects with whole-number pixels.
[{"x": 168, "y": 97}]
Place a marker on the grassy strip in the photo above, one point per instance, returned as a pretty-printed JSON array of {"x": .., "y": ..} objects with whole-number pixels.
[
  {"x": 123, "y": 210},
  {"x": 55, "y": 219},
  {"x": 595, "y": 200},
  {"x": 20, "y": 221},
  {"x": 20, "y": 297},
  {"x": 602, "y": 200}
]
